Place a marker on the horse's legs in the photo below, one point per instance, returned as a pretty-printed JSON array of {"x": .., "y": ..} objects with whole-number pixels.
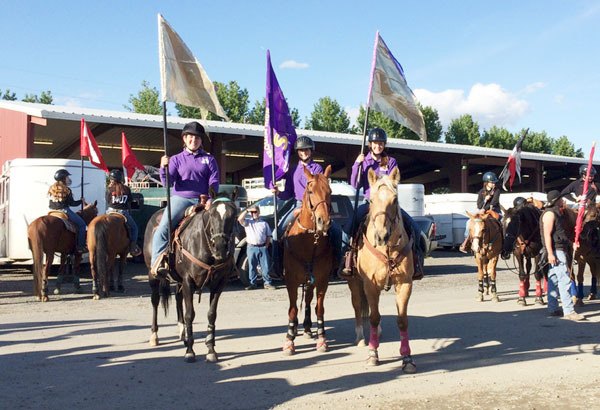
[
  {"x": 60, "y": 276},
  {"x": 594, "y": 286},
  {"x": 361, "y": 309},
  {"x": 539, "y": 278},
  {"x": 320, "y": 311},
  {"x": 215, "y": 294},
  {"x": 76, "y": 268},
  {"x": 403, "y": 292},
  {"x": 179, "y": 308},
  {"x": 309, "y": 293},
  {"x": 523, "y": 280},
  {"x": 578, "y": 298},
  {"x": 491, "y": 270},
  {"x": 188, "y": 299},
  {"x": 122, "y": 261},
  {"x": 480, "y": 274},
  {"x": 154, "y": 298},
  {"x": 373, "y": 294},
  {"x": 292, "y": 289},
  {"x": 45, "y": 275}
]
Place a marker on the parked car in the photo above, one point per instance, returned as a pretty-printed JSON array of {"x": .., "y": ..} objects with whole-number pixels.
[
  {"x": 429, "y": 238},
  {"x": 341, "y": 212}
]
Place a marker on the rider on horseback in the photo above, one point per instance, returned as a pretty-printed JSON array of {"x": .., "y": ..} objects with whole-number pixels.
[
  {"x": 191, "y": 173},
  {"x": 61, "y": 199},
  {"x": 488, "y": 199},
  {"x": 378, "y": 160},
  {"x": 118, "y": 199},
  {"x": 574, "y": 191}
]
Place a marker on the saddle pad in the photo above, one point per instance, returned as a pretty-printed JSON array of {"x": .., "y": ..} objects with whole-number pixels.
[
  {"x": 116, "y": 213},
  {"x": 70, "y": 226}
]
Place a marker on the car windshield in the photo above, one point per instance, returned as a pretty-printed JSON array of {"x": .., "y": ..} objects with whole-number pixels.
[
  {"x": 266, "y": 206},
  {"x": 423, "y": 225}
]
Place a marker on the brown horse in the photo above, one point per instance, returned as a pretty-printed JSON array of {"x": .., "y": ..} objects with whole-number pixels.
[
  {"x": 384, "y": 254},
  {"x": 48, "y": 235},
  {"x": 487, "y": 241},
  {"x": 107, "y": 237},
  {"x": 588, "y": 253},
  {"x": 308, "y": 259}
]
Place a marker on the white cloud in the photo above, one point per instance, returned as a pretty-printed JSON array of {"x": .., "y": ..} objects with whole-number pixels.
[
  {"x": 489, "y": 104},
  {"x": 352, "y": 114},
  {"x": 559, "y": 98},
  {"x": 293, "y": 64},
  {"x": 533, "y": 87}
]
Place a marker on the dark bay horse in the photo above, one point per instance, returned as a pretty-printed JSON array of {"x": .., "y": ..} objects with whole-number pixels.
[
  {"x": 522, "y": 239},
  {"x": 588, "y": 253},
  {"x": 384, "y": 253},
  {"x": 203, "y": 256},
  {"x": 48, "y": 235},
  {"x": 308, "y": 259},
  {"x": 486, "y": 235},
  {"x": 107, "y": 238}
]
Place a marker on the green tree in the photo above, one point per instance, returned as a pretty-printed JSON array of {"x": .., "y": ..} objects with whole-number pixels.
[
  {"x": 257, "y": 114},
  {"x": 328, "y": 115},
  {"x": 433, "y": 126},
  {"x": 146, "y": 101},
  {"x": 232, "y": 98},
  {"x": 8, "y": 95},
  {"x": 498, "y": 137},
  {"x": 562, "y": 146},
  {"x": 44, "y": 98},
  {"x": 377, "y": 120},
  {"x": 463, "y": 130},
  {"x": 537, "y": 142}
]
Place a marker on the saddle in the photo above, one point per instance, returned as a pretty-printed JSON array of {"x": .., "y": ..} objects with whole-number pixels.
[
  {"x": 70, "y": 226},
  {"x": 123, "y": 219}
]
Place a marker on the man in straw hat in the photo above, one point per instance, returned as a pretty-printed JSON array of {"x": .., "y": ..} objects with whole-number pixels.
[{"x": 258, "y": 239}]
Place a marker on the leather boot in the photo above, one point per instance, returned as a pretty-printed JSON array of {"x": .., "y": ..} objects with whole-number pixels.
[
  {"x": 160, "y": 269},
  {"x": 346, "y": 272},
  {"x": 134, "y": 249}
]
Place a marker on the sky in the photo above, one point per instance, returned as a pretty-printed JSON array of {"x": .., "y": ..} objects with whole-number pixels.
[{"x": 515, "y": 64}]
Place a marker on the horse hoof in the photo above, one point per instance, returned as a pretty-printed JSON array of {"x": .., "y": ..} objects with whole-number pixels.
[
  {"x": 190, "y": 357},
  {"x": 408, "y": 365},
  {"x": 153, "y": 339},
  {"x": 45, "y": 298},
  {"x": 289, "y": 348},
  {"x": 539, "y": 301},
  {"x": 521, "y": 301},
  {"x": 591, "y": 296},
  {"x": 479, "y": 297},
  {"x": 361, "y": 343},
  {"x": 578, "y": 302},
  {"x": 38, "y": 298},
  {"x": 308, "y": 334},
  {"x": 56, "y": 291},
  {"x": 373, "y": 359},
  {"x": 495, "y": 298},
  {"x": 96, "y": 297},
  {"x": 322, "y": 346},
  {"x": 212, "y": 358}
]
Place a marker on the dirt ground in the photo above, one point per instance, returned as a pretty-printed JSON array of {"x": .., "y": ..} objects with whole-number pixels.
[{"x": 73, "y": 352}]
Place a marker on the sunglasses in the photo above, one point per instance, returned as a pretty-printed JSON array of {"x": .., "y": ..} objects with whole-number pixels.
[{"x": 253, "y": 212}]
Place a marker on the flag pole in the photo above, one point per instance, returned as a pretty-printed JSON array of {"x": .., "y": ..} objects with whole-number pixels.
[
  {"x": 81, "y": 181},
  {"x": 167, "y": 182},
  {"x": 275, "y": 244}
]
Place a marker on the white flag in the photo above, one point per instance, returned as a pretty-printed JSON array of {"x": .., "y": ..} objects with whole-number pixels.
[
  {"x": 182, "y": 78},
  {"x": 389, "y": 92}
]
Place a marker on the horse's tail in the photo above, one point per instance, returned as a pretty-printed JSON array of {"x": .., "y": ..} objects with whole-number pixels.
[
  {"x": 100, "y": 250},
  {"x": 165, "y": 294},
  {"x": 35, "y": 245}
]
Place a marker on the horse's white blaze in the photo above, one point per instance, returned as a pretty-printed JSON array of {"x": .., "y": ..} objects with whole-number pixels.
[{"x": 221, "y": 209}]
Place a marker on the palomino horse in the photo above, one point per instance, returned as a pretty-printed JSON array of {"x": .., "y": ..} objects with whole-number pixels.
[
  {"x": 203, "y": 256},
  {"x": 523, "y": 240},
  {"x": 384, "y": 254},
  {"x": 588, "y": 253},
  {"x": 308, "y": 259},
  {"x": 486, "y": 235},
  {"x": 48, "y": 235},
  {"x": 107, "y": 237}
]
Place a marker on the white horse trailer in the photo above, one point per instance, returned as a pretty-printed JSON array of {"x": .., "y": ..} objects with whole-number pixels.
[{"x": 24, "y": 185}]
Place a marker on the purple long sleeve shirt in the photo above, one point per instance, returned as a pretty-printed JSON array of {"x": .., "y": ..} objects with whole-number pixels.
[
  {"x": 362, "y": 180},
  {"x": 296, "y": 185},
  {"x": 191, "y": 175}
]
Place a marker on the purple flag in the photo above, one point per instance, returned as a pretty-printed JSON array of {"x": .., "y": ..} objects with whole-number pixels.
[{"x": 280, "y": 134}]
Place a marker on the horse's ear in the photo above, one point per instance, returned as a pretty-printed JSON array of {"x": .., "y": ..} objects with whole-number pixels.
[
  {"x": 96, "y": 204},
  {"x": 211, "y": 192},
  {"x": 470, "y": 215},
  {"x": 504, "y": 211},
  {"x": 234, "y": 194},
  {"x": 308, "y": 174},
  {"x": 372, "y": 177},
  {"x": 327, "y": 172},
  {"x": 395, "y": 176}
]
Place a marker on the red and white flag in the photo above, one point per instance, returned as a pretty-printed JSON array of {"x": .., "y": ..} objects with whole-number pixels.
[
  {"x": 513, "y": 164},
  {"x": 89, "y": 148},
  {"x": 130, "y": 162}
]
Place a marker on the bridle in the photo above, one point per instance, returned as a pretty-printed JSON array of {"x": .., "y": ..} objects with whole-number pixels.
[
  {"x": 313, "y": 209},
  {"x": 389, "y": 220},
  {"x": 485, "y": 232}
]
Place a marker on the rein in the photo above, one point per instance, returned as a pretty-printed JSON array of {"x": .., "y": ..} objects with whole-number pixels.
[
  {"x": 490, "y": 243},
  {"x": 391, "y": 263}
]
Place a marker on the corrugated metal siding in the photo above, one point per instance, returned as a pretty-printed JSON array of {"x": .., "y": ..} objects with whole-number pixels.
[{"x": 14, "y": 135}]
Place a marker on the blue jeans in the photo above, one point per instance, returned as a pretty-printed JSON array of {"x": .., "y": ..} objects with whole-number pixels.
[
  {"x": 258, "y": 255},
  {"x": 161, "y": 235},
  {"x": 131, "y": 225},
  {"x": 287, "y": 219},
  {"x": 559, "y": 283},
  {"x": 81, "y": 227}
]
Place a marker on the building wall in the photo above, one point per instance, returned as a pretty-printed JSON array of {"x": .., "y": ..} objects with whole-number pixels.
[{"x": 15, "y": 135}]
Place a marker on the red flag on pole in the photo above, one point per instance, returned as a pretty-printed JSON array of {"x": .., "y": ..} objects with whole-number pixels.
[
  {"x": 583, "y": 200},
  {"x": 512, "y": 168},
  {"x": 130, "y": 162},
  {"x": 89, "y": 147}
]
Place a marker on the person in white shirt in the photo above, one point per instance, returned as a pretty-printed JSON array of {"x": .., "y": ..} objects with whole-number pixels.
[{"x": 258, "y": 240}]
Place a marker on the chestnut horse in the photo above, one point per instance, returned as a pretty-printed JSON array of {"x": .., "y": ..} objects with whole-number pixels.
[
  {"x": 522, "y": 239},
  {"x": 308, "y": 259},
  {"x": 487, "y": 241},
  {"x": 203, "y": 256},
  {"x": 48, "y": 235},
  {"x": 384, "y": 254},
  {"x": 107, "y": 238}
]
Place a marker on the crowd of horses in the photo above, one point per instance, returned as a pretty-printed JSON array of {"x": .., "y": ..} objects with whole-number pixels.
[{"x": 203, "y": 257}]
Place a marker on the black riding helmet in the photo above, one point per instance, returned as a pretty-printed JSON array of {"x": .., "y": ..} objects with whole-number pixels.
[
  {"x": 61, "y": 175},
  {"x": 583, "y": 171},
  {"x": 377, "y": 135},
  {"x": 304, "y": 143},
  {"x": 519, "y": 201},
  {"x": 116, "y": 175},
  {"x": 490, "y": 177}
]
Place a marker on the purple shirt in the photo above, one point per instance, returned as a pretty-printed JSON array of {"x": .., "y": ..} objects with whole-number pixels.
[
  {"x": 191, "y": 175},
  {"x": 370, "y": 162},
  {"x": 295, "y": 186}
]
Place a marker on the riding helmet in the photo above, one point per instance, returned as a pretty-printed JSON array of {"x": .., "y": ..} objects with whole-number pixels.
[
  {"x": 518, "y": 202},
  {"x": 304, "y": 143},
  {"x": 194, "y": 128},
  {"x": 377, "y": 135},
  {"x": 61, "y": 175},
  {"x": 116, "y": 175},
  {"x": 583, "y": 171},
  {"x": 490, "y": 177}
]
